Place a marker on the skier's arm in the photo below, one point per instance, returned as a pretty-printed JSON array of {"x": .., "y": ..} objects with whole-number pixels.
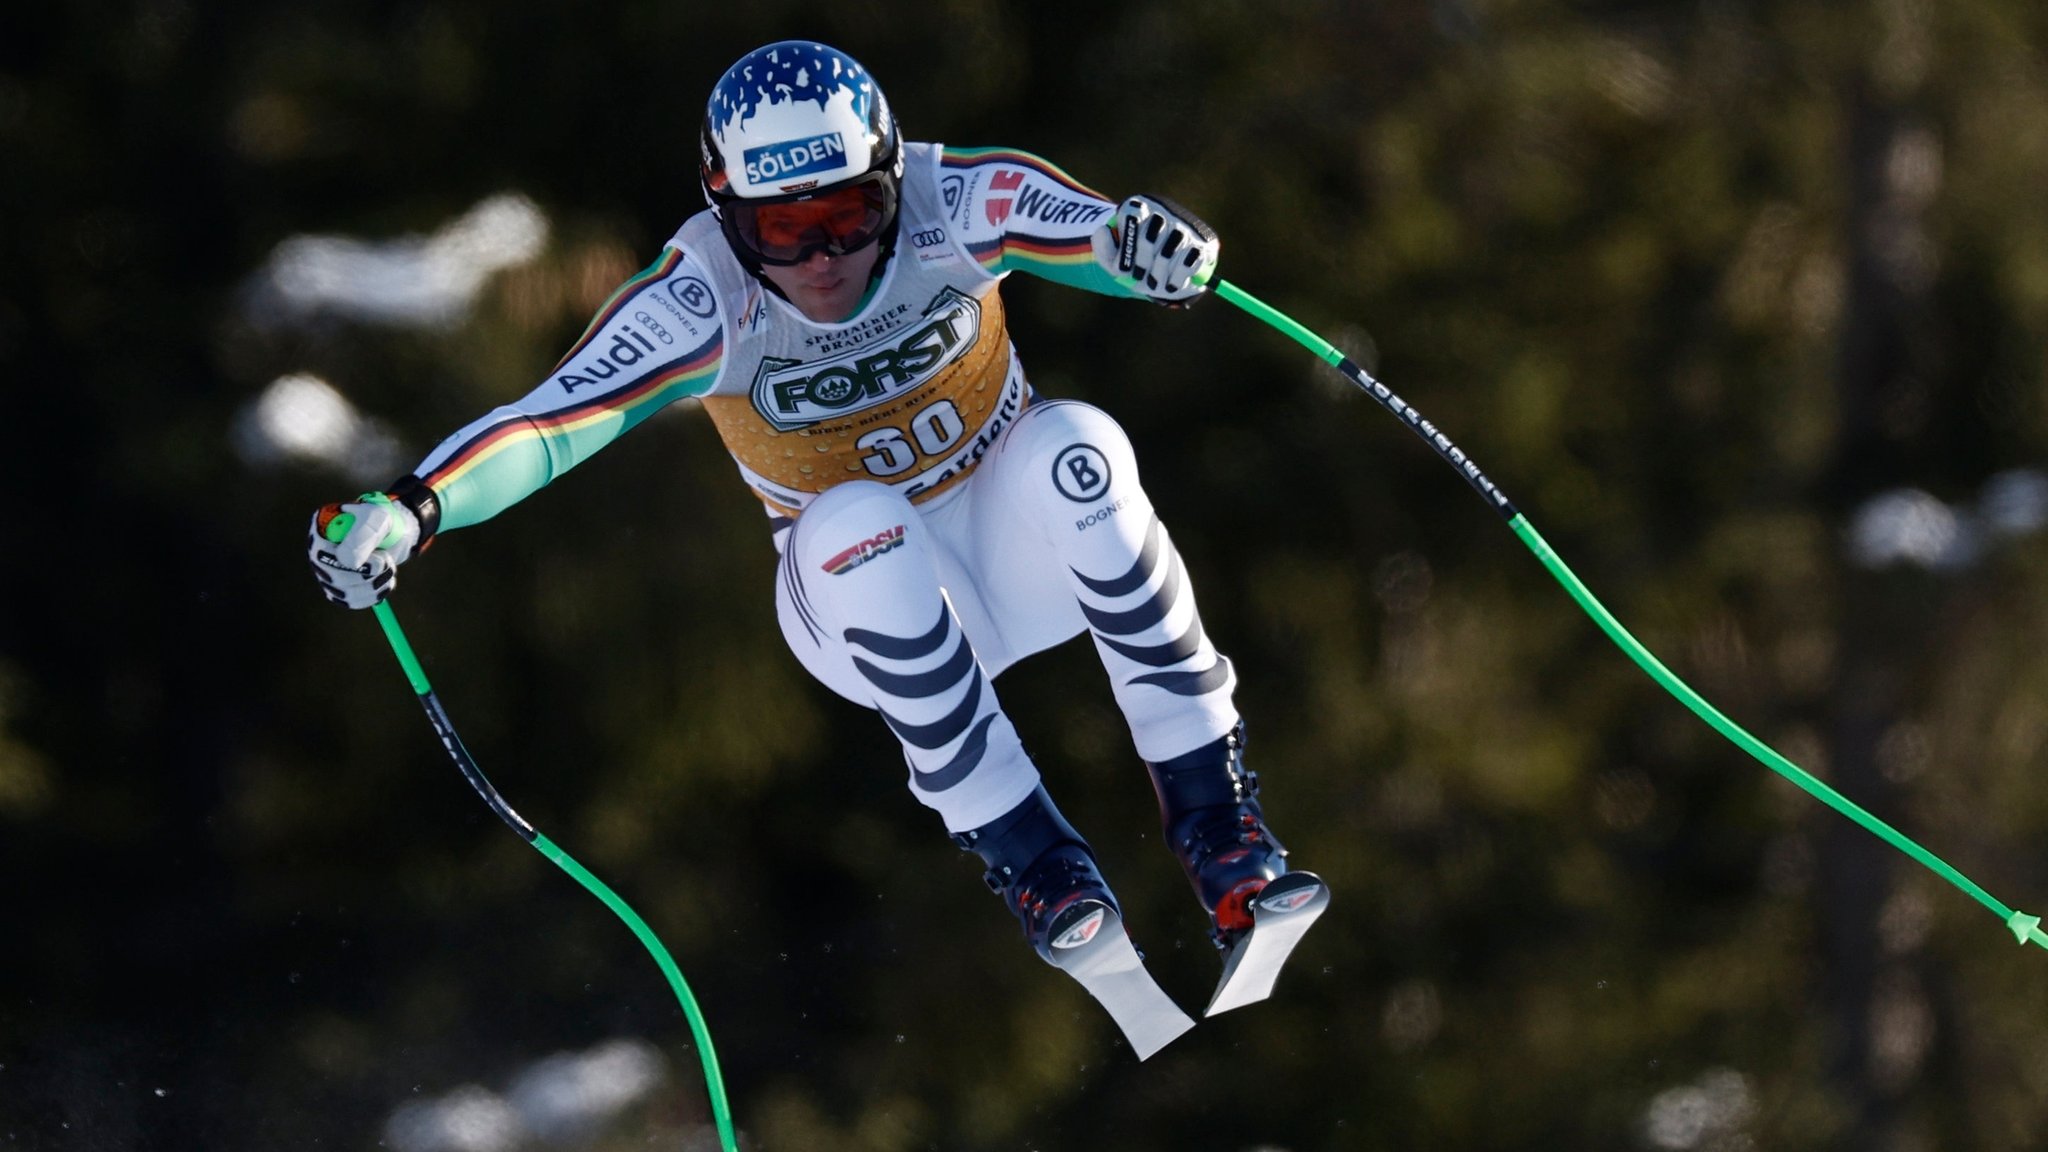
[
  {"x": 657, "y": 340},
  {"x": 1016, "y": 212}
]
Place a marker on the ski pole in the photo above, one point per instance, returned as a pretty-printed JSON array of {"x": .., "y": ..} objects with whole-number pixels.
[
  {"x": 714, "y": 1081},
  {"x": 2026, "y": 928}
]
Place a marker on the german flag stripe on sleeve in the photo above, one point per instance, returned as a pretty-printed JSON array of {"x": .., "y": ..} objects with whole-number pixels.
[
  {"x": 624, "y": 408},
  {"x": 1039, "y": 250},
  {"x": 662, "y": 266},
  {"x": 969, "y": 157},
  {"x": 988, "y": 253}
]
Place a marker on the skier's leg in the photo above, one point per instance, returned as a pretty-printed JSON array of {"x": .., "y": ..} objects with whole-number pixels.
[
  {"x": 1067, "y": 469},
  {"x": 862, "y": 606},
  {"x": 1066, "y": 497}
]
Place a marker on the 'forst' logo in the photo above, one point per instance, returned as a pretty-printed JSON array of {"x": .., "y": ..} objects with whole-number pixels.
[
  {"x": 881, "y": 543},
  {"x": 792, "y": 393},
  {"x": 790, "y": 159}
]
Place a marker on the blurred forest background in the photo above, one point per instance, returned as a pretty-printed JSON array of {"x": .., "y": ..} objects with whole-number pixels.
[{"x": 1743, "y": 301}]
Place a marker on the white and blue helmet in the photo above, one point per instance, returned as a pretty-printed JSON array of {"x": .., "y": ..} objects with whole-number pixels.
[{"x": 794, "y": 121}]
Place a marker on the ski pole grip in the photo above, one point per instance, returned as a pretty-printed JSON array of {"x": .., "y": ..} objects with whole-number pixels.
[
  {"x": 336, "y": 527},
  {"x": 1116, "y": 225}
]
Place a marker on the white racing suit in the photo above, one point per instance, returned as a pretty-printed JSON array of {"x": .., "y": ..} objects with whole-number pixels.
[{"x": 937, "y": 521}]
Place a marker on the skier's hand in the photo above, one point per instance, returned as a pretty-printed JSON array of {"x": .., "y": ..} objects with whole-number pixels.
[
  {"x": 356, "y": 548},
  {"x": 1161, "y": 248}
]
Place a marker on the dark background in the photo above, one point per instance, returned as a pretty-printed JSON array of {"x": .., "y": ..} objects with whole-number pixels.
[{"x": 1694, "y": 282}]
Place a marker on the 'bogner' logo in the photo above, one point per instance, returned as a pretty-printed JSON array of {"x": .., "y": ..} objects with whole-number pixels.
[{"x": 792, "y": 393}]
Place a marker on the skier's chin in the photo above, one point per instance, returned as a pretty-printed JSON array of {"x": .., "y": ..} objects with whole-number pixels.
[
  {"x": 826, "y": 289},
  {"x": 833, "y": 300}
]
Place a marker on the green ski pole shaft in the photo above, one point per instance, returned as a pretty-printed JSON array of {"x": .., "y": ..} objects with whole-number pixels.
[
  {"x": 714, "y": 1080},
  {"x": 2023, "y": 926}
]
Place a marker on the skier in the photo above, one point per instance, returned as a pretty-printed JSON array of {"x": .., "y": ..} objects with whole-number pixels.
[{"x": 836, "y": 310}]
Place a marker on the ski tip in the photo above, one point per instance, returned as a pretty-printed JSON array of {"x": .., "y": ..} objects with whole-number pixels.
[{"x": 1167, "y": 1028}]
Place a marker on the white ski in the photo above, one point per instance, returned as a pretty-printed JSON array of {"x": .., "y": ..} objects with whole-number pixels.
[
  {"x": 1089, "y": 943},
  {"x": 1281, "y": 913}
]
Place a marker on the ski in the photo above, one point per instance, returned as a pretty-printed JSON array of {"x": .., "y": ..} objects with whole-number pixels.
[
  {"x": 1088, "y": 942},
  {"x": 1281, "y": 913}
]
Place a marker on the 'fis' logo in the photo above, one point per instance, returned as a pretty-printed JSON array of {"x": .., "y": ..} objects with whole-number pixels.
[
  {"x": 792, "y": 393},
  {"x": 882, "y": 542}
]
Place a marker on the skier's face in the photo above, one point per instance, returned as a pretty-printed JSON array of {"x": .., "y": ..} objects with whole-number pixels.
[{"x": 826, "y": 288}]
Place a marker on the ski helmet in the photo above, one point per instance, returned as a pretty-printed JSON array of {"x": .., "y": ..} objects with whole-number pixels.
[{"x": 801, "y": 125}]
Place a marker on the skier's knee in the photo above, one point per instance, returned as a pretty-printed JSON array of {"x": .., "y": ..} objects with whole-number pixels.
[
  {"x": 847, "y": 515},
  {"x": 1076, "y": 456},
  {"x": 855, "y": 523},
  {"x": 853, "y": 498}
]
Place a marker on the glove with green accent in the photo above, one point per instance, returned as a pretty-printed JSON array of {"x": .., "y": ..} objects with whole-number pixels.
[
  {"x": 356, "y": 548},
  {"x": 1161, "y": 249}
]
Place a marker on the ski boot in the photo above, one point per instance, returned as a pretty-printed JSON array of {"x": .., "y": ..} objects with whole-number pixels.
[
  {"x": 1258, "y": 910},
  {"x": 1046, "y": 875}
]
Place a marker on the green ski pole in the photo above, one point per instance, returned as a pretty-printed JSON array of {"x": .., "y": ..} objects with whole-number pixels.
[
  {"x": 2023, "y": 926},
  {"x": 714, "y": 1080}
]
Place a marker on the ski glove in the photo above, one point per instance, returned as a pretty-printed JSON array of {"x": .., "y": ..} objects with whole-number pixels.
[
  {"x": 1164, "y": 250},
  {"x": 361, "y": 568}
]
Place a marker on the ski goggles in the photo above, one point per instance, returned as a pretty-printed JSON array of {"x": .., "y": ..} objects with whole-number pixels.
[{"x": 787, "y": 230}]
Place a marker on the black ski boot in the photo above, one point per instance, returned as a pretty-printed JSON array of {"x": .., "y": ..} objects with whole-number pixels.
[
  {"x": 1046, "y": 875},
  {"x": 1258, "y": 910}
]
